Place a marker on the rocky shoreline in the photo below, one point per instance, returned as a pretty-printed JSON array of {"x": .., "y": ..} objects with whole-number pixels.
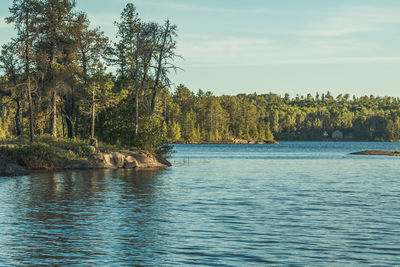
[
  {"x": 119, "y": 159},
  {"x": 376, "y": 153},
  {"x": 10, "y": 168},
  {"x": 113, "y": 160}
]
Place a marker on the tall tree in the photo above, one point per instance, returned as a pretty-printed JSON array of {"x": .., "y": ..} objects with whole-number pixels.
[
  {"x": 90, "y": 46},
  {"x": 13, "y": 69},
  {"x": 129, "y": 49},
  {"x": 25, "y": 17},
  {"x": 55, "y": 39},
  {"x": 164, "y": 57}
]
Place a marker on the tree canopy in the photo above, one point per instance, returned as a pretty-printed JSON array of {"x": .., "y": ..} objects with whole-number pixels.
[{"x": 56, "y": 81}]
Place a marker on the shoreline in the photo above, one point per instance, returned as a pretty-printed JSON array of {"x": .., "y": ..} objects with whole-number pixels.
[
  {"x": 18, "y": 158},
  {"x": 128, "y": 160},
  {"x": 278, "y": 142},
  {"x": 377, "y": 153}
]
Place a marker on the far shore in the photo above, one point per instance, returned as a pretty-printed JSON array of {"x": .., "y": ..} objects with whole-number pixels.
[
  {"x": 377, "y": 153},
  {"x": 236, "y": 142},
  {"x": 277, "y": 142}
]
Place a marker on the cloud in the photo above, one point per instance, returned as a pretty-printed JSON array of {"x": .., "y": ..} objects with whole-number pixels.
[
  {"x": 353, "y": 20},
  {"x": 196, "y": 7},
  {"x": 203, "y": 50},
  {"x": 339, "y": 60},
  {"x": 228, "y": 50}
]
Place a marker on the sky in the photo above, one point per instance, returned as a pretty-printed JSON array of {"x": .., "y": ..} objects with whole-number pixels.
[{"x": 262, "y": 46}]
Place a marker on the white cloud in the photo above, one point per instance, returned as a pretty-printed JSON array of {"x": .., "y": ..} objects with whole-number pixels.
[
  {"x": 229, "y": 50},
  {"x": 234, "y": 51},
  {"x": 354, "y": 20},
  {"x": 196, "y": 7},
  {"x": 339, "y": 60}
]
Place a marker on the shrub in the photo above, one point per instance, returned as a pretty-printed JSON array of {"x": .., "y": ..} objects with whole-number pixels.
[{"x": 34, "y": 156}]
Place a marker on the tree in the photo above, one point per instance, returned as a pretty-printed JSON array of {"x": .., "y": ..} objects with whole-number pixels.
[
  {"x": 25, "y": 17},
  {"x": 59, "y": 49},
  {"x": 164, "y": 55},
  {"x": 13, "y": 70}
]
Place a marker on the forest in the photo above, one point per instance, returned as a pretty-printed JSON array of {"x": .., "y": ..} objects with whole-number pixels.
[{"x": 56, "y": 81}]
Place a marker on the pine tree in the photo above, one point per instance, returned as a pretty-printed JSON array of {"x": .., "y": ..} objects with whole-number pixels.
[
  {"x": 268, "y": 134},
  {"x": 24, "y": 15}
]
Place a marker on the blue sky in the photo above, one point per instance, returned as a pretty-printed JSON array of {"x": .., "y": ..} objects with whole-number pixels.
[{"x": 293, "y": 46}]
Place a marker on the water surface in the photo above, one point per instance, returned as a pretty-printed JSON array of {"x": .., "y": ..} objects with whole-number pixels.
[{"x": 297, "y": 203}]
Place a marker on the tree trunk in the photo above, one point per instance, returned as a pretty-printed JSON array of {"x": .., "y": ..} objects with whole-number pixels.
[
  {"x": 69, "y": 114},
  {"x": 159, "y": 67},
  {"x": 28, "y": 76},
  {"x": 136, "y": 111},
  {"x": 17, "y": 124},
  {"x": 53, "y": 121},
  {"x": 93, "y": 111},
  {"x": 70, "y": 128},
  {"x": 30, "y": 107}
]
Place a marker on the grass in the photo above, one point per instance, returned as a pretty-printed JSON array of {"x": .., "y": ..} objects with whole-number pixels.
[
  {"x": 45, "y": 152},
  {"x": 54, "y": 153},
  {"x": 36, "y": 156}
]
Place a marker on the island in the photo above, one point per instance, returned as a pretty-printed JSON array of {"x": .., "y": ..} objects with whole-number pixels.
[{"x": 377, "y": 153}]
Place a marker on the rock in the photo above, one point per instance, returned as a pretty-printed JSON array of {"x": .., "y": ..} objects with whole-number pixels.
[
  {"x": 130, "y": 162},
  {"x": 118, "y": 159},
  {"x": 376, "y": 153},
  {"x": 124, "y": 159},
  {"x": 10, "y": 168},
  {"x": 146, "y": 160},
  {"x": 100, "y": 161},
  {"x": 164, "y": 161},
  {"x": 239, "y": 141}
]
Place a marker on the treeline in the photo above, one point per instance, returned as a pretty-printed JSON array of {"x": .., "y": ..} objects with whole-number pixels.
[
  {"x": 55, "y": 80},
  {"x": 202, "y": 116}
]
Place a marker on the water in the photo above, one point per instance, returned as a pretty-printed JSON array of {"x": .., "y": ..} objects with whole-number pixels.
[{"x": 293, "y": 204}]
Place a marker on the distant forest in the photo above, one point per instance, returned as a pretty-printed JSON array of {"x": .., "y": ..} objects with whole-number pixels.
[
  {"x": 55, "y": 82},
  {"x": 203, "y": 116}
]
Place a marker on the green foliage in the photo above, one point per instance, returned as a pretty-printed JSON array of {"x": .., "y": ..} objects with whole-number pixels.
[
  {"x": 268, "y": 134},
  {"x": 37, "y": 155},
  {"x": 80, "y": 148},
  {"x": 150, "y": 137},
  {"x": 165, "y": 151},
  {"x": 68, "y": 59},
  {"x": 174, "y": 132}
]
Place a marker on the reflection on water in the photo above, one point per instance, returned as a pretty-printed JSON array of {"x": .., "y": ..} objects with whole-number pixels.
[
  {"x": 77, "y": 217},
  {"x": 296, "y": 204}
]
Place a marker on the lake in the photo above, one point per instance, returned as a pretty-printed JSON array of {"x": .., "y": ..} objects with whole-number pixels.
[{"x": 296, "y": 204}]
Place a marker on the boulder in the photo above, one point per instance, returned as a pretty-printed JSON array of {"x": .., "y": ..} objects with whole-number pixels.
[
  {"x": 101, "y": 161},
  {"x": 130, "y": 162},
  {"x": 118, "y": 159},
  {"x": 10, "y": 168},
  {"x": 145, "y": 160},
  {"x": 124, "y": 159},
  {"x": 239, "y": 141}
]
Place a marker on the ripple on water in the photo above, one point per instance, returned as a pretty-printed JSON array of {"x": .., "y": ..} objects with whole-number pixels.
[{"x": 294, "y": 204}]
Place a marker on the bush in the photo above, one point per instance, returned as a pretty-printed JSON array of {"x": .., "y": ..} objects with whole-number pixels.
[
  {"x": 150, "y": 137},
  {"x": 80, "y": 147},
  {"x": 34, "y": 156},
  {"x": 165, "y": 151}
]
